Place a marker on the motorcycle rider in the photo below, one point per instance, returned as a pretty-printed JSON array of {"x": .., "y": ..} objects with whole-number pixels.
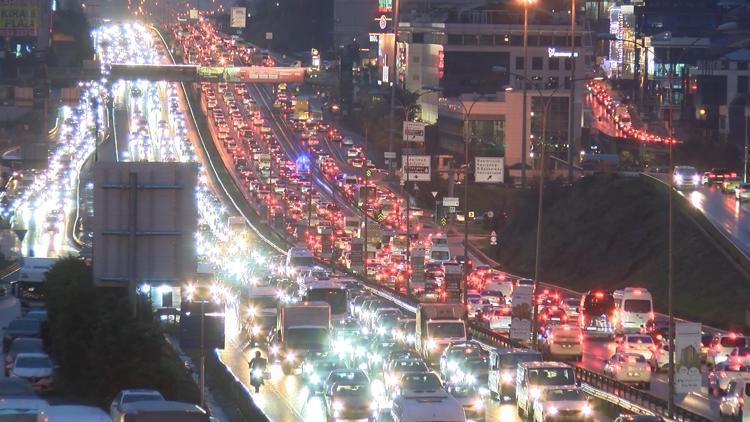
[{"x": 258, "y": 363}]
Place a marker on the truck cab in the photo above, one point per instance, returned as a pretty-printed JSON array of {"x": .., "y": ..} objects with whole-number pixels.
[{"x": 438, "y": 325}]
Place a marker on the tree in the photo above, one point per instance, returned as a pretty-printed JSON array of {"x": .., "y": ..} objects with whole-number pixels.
[{"x": 100, "y": 346}]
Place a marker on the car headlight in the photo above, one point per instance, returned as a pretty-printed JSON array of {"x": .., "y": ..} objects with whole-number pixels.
[
  {"x": 696, "y": 179},
  {"x": 337, "y": 405},
  {"x": 307, "y": 368},
  {"x": 373, "y": 405},
  {"x": 274, "y": 350},
  {"x": 478, "y": 404},
  {"x": 255, "y": 330},
  {"x": 721, "y": 358},
  {"x": 452, "y": 366},
  {"x": 507, "y": 377},
  {"x": 315, "y": 379},
  {"x": 678, "y": 179},
  {"x": 290, "y": 357},
  {"x": 552, "y": 410},
  {"x": 535, "y": 393},
  {"x": 470, "y": 379},
  {"x": 376, "y": 358},
  {"x": 257, "y": 373},
  {"x": 430, "y": 344},
  {"x": 586, "y": 410},
  {"x": 381, "y": 330},
  {"x": 410, "y": 338}
]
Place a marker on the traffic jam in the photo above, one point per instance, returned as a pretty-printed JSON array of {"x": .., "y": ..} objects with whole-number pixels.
[{"x": 360, "y": 347}]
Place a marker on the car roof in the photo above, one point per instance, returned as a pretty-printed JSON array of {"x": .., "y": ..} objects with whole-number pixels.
[
  {"x": 161, "y": 406},
  {"x": 32, "y": 355},
  {"x": 544, "y": 364}
]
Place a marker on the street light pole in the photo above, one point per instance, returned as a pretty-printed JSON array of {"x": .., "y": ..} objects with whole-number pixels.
[
  {"x": 539, "y": 216},
  {"x": 670, "y": 263},
  {"x": 524, "y": 147},
  {"x": 571, "y": 107},
  {"x": 392, "y": 77}
]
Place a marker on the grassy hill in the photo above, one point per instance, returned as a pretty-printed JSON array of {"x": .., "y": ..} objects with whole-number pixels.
[{"x": 609, "y": 231}]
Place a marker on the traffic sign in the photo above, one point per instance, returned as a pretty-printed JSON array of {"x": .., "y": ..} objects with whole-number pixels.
[
  {"x": 434, "y": 194},
  {"x": 471, "y": 214},
  {"x": 452, "y": 210},
  {"x": 493, "y": 238},
  {"x": 450, "y": 201},
  {"x": 389, "y": 155},
  {"x": 368, "y": 173},
  {"x": 21, "y": 233},
  {"x": 443, "y": 221},
  {"x": 488, "y": 169}
]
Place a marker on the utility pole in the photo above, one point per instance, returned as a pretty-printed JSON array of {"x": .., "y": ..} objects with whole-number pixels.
[
  {"x": 203, "y": 358},
  {"x": 572, "y": 104},
  {"x": 524, "y": 147},
  {"x": 367, "y": 199},
  {"x": 393, "y": 73},
  {"x": 539, "y": 217},
  {"x": 670, "y": 266}
]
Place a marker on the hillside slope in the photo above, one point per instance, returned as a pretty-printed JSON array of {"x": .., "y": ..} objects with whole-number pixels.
[{"x": 608, "y": 231}]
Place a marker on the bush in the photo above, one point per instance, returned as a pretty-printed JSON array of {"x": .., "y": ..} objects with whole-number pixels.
[{"x": 100, "y": 347}]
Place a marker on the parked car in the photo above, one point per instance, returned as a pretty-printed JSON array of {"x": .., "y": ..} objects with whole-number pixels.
[
  {"x": 21, "y": 327},
  {"x": 37, "y": 368},
  {"x": 22, "y": 345},
  {"x": 129, "y": 396}
]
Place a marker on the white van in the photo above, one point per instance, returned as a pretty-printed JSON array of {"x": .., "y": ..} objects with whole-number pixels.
[
  {"x": 73, "y": 413},
  {"x": 534, "y": 377},
  {"x": 433, "y": 407},
  {"x": 635, "y": 308},
  {"x": 440, "y": 254}
]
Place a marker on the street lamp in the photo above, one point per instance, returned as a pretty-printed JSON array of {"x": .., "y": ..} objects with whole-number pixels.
[
  {"x": 526, "y": 4},
  {"x": 538, "y": 248}
]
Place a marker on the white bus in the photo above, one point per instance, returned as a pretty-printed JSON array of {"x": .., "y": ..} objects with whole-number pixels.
[
  {"x": 331, "y": 293},
  {"x": 634, "y": 307},
  {"x": 298, "y": 259}
]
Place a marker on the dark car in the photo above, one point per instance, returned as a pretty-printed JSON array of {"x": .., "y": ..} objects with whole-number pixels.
[
  {"x": 22, "y": 345},
  {"x": 21, "y": 327}
]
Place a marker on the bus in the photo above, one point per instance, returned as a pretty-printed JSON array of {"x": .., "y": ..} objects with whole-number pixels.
[
  {"x": 635, "y": 309},
  {"x": 331, "y": 293},
  {"x": 28, "y": 288}
]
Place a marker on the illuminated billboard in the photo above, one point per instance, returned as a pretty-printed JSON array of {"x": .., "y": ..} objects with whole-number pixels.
[{"x": 19, "y": 18}]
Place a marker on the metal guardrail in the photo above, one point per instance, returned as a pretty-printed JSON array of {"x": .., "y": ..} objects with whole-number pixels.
[
  {"x": 713, "y": 232},
  {"x": 10, "y": 269},
  {"x": 224, "y": 379}
]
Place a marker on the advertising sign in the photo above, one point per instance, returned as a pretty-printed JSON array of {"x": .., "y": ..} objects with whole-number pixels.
[
  {"x": 453, "y": 277},
  {"x": 687, "y": 357},
  {"x": 237, "y": 19},
  {"x": 415, "y": 168},
  {"x": 356, "y": 256},
  {"x": 520, "y": 323},
  {"x": 417, "y": 268},
  {"x": 193, "y": 13},
  {"x": 19, "y": 18},
  {"x": 488, "y": 169},
  {"x": 414, "y": 131},
  {"x": 315, "y": 58}
]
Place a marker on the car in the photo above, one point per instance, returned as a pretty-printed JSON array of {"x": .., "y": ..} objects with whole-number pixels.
[
  {"x": 562, "y": 403},
  {"x": 400, "y": 367},
  {"x": 639, "y": 418},
  {"x": 315, "y": 371},
  {"x": 347, "y": 141},
  {"x": 497, "y": 317},
  {"x": 563, "y": 341},
  {"x": 21, "y": 327},
  {"x": 721, "y": 374},
  {"x": 129, "y": 396},
  {"x": 22, "y": 345},
  {"x": 73, "y": 413},
  {"x": 629, "y": 368},
  {"x": 742, "y": 192},
  {"x": 351, "y": 401},
  {"x": 352, "y": 153},
  {"x": 722, "y": 345},
  {"x": 459, "y": 359},
  {"x": 425, "y": 382},
  {"x": 733, "y": 403},
  {"x": 471, "y": 398},
  {"x": 686, "y": 177},
  {"x": 717, "y": 176},
  {"x": 37, "y": 368},
  {"x": 344, "y": 377},
  {"x": 641, "y": 344},
  {"x": 730, "y": 185}
]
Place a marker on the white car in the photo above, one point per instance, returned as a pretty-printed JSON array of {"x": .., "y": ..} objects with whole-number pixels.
[
  {"x": 630, "y": 368},
  {"x": 733, "y": 403},
  {"x": 567, "y": 403},
  {"x": 742, "y": 193},
  {"x": 129, "y": 396},
  {"x": 474, "y": 304},
  {"x": 686, "y": 177},
  {"x": 641, "y": 344},
  {"x": 347, "y": 141},
  {"x": 722, "y": 374},
  {"x": 37, "y": 368},
  {"x": 722, "y": 345}
]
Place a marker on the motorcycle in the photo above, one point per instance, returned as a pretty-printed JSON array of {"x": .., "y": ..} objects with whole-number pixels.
[{"x": 256, "y": 378}]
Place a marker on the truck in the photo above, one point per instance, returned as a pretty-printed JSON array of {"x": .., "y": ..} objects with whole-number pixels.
[
  {"x": 28, "y": 287},
  {"x": 438, "y": 324},
  {"x": 302, "y": 331}
]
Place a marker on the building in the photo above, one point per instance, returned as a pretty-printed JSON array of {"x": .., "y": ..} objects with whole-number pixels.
[
  {"x": 466, "y": 53},
  {"x": 25, "y": 26}
]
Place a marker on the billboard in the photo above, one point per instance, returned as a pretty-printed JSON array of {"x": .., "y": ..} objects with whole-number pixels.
[
  {"x": 415, "y": 168},
  {"x": 453, "y": 281},
  {"x": 237, "y": 17},
  {"x": 19, "y": 18},
  {"x": 687, "y": 357},
  {"x": 488, "y": 169},
  {"x": 145, "y": 219},
  {"x": 414, "y": 131},
  {"x": 520, "y": 323}
]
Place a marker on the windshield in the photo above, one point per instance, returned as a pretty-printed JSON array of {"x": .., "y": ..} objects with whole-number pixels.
[
  {"x": 409, "y": 366},
  {"x": 334, "y": 297},
  {"x": 306, "y": 337},
  {"x": 27, "y": 345},
  {"x": 562, "y": 394},
  {"x": 468, "y": 353},
  {"x": 440, "y": 255},
  {"x": 596, "y": 304},
  {"x": 463, "y": 390},
  {"x": 349, "y": 377},
  {"x": 23, "y": 325},
  {"x": 640, "y": 306},
  {"x": 640, "y": 339},
  {"x": 551, "y": 376},
  {"x": 352, "y": 390},
  {"x": 446, "y": 329},
  {"x": 129, "y": 398},
  {"x": 420, "y": 382},
  {"x": 512, "y": 361},
  {"x": 302, "y": 261},
  {"x": 736, "y": 341},
  {"x": 33, "y": 362}
]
